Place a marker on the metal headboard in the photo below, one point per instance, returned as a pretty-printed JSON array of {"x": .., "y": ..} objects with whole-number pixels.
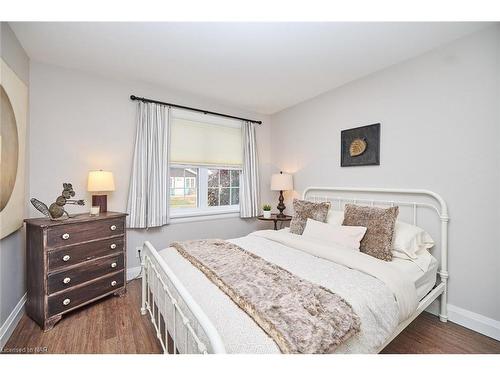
[{"x": 399, "y": 197}]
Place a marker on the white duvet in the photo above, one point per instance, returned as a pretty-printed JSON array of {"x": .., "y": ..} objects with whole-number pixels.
[{"x": 380, "y": 295}]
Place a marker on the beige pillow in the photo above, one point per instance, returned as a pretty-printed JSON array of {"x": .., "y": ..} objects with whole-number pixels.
[
  {"x": 304, "y": 210},
  {"x": 379, "y": 223}
]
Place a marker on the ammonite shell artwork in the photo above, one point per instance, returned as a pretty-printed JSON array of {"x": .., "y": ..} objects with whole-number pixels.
[{"x": 357, "y": 147}]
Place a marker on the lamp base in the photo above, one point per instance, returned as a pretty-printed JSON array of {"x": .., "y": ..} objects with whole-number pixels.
[
  {"x": 101, "y": 201},
  {"x": 281, "y": 206}
]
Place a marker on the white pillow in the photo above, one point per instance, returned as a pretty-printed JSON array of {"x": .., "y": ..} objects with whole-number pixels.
[
  {"x": 348, "y": 236},
  {"x": 410, "y": 239},
  {"x": 335, "y": 217}
]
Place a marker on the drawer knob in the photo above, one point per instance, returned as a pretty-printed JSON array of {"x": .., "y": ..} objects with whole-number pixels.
[
  {"x": 113, "y": 227},
  {"x": 66, "y": 280},
  {"x": 113, "y": 283},
  {"x": 113, "y": 246},
  {"x": 113, "y": 265},
  {"x": 66, "y": 302},
  {"x": 65, "y": 236},
  {"x": 66, "y": 258}
]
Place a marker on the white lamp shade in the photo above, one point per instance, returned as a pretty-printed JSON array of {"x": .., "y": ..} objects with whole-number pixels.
[
  {"x": 281, "y": 181},
  {"x": 101, "y": 181}
]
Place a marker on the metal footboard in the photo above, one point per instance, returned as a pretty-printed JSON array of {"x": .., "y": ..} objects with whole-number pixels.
[{"x": 181, "y": 325}]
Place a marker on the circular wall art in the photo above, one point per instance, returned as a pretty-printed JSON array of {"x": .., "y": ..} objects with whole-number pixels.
[
  {"x": 14, "y": 114},
  {"x": 10, "y": 148}
]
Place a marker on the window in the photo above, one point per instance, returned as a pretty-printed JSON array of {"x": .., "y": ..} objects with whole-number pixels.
[
  {"x": 203, "y": 189},
  {"x": 206, "y": 157},
  {"x": 183, "y": 187},
  {"x": 223, "y": 187}
]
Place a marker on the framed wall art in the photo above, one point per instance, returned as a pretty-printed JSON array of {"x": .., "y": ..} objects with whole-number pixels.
[
  {"x": 360, "y": 146},
  {"x": 14, "y": 113}
]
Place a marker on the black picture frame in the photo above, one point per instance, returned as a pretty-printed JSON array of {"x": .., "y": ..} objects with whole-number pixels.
[{"x": 371, "y": 156}]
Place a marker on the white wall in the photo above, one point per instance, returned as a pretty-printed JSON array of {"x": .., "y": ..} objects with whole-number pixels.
[
  {"x": 440, "y": 130},
  {"x": 81, "y": 122},
  {"x": 12, "y": 253}
]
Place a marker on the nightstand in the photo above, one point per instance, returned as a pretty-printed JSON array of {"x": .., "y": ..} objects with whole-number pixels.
[{"x": 276, "y": 219}]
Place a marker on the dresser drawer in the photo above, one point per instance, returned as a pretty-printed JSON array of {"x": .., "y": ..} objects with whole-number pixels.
[
  {"x": 72, "y": 255},
  {"x": 92, "y": 270},
  {"x": 62, "y": 235},
  {"x": 72, "y": 298}
]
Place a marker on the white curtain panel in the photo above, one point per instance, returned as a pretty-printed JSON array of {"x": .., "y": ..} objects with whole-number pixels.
[
  {"x": 249, "y": 181},
  {"x": 148, "y": 196}
]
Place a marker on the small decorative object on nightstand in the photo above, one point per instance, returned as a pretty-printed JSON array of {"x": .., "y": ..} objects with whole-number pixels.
[
  {"x": 281, "y": 182},
  {"x": 94, "y": 210},
  {"x": 267, "y": 211},
  {"x": 276, "y": 218},
  {"x": 100, "y": 182},
  {"x": 73, "y": 262}
]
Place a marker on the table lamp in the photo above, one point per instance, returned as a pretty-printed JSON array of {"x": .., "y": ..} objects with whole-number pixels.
[
  {"x": 281, "y": 182},
  {"x": 100, "y": 182}
]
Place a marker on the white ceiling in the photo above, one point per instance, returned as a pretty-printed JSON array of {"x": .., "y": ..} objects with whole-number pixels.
[{"x": 260, "y": 67}]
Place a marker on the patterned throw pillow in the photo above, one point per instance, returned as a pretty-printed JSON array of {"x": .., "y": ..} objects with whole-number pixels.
[
  {"x": 304, "y": 210},
  {"x": 379, "y": 222}
]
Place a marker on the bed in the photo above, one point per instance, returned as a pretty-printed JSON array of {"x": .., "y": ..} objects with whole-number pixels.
[{"x": 192, "y": 315}]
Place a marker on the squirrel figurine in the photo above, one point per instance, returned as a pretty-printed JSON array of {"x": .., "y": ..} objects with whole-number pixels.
[{"x": 56, "y": 210}]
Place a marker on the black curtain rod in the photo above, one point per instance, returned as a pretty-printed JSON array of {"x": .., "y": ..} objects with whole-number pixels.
[{"x": 133, "y": 97}]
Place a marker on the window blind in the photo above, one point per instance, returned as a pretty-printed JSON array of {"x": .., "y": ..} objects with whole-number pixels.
[{"x": 200, "y": 143}]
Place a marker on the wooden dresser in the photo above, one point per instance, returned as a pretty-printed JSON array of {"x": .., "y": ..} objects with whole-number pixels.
[{"x": 73, "y": 262}]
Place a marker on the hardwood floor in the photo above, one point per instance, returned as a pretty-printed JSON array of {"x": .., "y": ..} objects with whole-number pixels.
[
  {"x": 112, "y": 325},
  {"x": 427, "y": 335},
  {"x": 115, "y": 325}
]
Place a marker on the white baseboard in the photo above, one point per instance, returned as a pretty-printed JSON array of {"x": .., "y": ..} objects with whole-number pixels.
[
  {"x": 475, "y": 321},
  {"x": 11, "y": 322},
  {"x": 133, "y": 272},
  {"x": 468, "y": 319}
]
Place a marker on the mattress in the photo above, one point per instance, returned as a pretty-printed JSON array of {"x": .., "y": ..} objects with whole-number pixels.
[{"x": 424, "y": 280}]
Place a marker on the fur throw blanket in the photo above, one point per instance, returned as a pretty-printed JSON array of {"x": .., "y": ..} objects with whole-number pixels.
[{"x": 300, "y": 316}]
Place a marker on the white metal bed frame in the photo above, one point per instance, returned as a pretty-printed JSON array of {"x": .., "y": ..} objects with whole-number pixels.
[{"x": 187, "y": 329}]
